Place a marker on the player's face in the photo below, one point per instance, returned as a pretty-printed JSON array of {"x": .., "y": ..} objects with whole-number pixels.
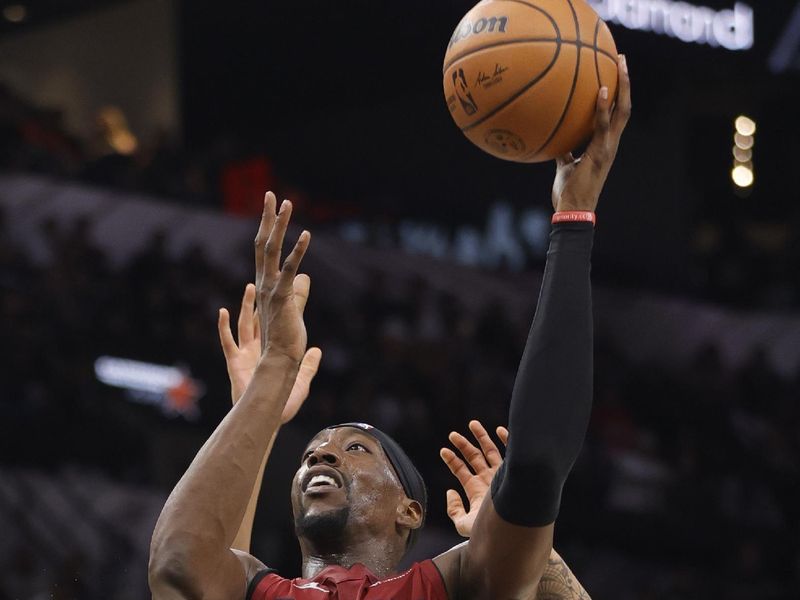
[{"x": 344, "y": 469}]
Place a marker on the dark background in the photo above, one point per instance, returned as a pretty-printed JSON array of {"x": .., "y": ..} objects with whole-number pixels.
[{"x": 687, "y": 485}]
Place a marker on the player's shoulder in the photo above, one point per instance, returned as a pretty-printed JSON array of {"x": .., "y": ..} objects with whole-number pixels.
[
  {"x": 448, "y": 565},
  {"x": 254, "y": 570},
  {"x": 250, "y": 563}
]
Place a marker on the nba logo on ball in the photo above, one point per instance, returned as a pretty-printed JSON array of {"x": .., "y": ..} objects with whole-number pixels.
[
  {"x": 521, "y": 77},
  {"x": 462, "y": 91}
]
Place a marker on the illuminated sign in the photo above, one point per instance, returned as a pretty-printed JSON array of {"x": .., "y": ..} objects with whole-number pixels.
[
  {"x": 730, "y": 28},
  {"x": 169, "y": 388}
]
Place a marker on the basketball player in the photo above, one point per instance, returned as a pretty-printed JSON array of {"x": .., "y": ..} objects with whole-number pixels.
[
  {"x": 557, "y": 583},
  {"x": 357, "y": 499}
]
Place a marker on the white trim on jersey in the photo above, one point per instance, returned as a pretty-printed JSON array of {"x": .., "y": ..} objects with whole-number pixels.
[{"x": 311, "y": 585}]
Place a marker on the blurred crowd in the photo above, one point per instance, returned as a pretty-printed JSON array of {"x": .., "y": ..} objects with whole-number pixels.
[
  {"x": 687, "y": 486},
  {"x": 747, "y": 262},
  {"x": 36, "y": 139}
]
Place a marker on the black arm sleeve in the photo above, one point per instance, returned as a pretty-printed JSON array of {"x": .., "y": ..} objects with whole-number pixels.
[{"x": 552, "y": 398}]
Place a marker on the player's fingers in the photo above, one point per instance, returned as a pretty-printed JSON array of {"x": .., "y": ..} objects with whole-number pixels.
[
  {"x": 302, "y": 384},
  {"x": 302, "y": 287},
  {"x": 598, "y": 150},
  {"x": 502, "y": 433},
  {"x": 309, "y": 366},
  {"x": 603, "y": 111},
  {"x": 272, "y": 249},
  {"x": 622, "y": 111},
  {"x": 225, "y": 335},
  {"x": 264, "y": 229},
  {"x": 292, "y": 264},
  {"x": 256, "y": 326},
  {"x": 245, "y": 322},
  {"x": 457, "y": 466},
  {"x": 474, "y": 456},
  {"x": 455, "y": 506},
  {"x": 488, "y": 447}
]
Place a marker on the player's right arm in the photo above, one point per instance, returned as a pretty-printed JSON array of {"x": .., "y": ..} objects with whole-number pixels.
[
  {"x": 558, "y": 581},
  {"x": 190, "y": 552},
  {"x": 551, "y": 403}
]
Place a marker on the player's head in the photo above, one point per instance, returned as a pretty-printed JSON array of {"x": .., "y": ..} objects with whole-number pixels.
[{"x": 355, "y": 482}]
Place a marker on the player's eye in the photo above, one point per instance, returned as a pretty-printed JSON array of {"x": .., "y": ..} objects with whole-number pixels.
[{"x": 358, "y": 447}]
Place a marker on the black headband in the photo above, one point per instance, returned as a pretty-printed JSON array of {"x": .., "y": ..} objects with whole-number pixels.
[{"x": 410, "y": 479}]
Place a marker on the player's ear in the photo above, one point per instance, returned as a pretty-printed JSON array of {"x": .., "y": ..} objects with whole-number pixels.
[{"x": 409, "y": 514}]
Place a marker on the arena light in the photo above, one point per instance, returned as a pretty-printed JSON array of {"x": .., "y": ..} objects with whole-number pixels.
[
  {"x": 169, "y": 388},
  {"x": 745, "y": 126},
  {"x": 745, "y": 142},
  {"x": 743, "y": 176},
  {"x": 743, "y": 173},
  {"x": 742, "y": 155},
  {"x": 15, "y": 13},
  {"x": 115, "y": 129}
]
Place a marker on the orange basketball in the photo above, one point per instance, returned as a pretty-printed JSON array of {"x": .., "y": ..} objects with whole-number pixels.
[{"x": 521, "y": 77}]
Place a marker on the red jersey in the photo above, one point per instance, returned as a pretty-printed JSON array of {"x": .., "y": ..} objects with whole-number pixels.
[{"x": 421, "y": 582}]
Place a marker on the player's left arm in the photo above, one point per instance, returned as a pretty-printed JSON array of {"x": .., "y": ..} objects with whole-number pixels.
[
  {"x": 190, "y": 551},
  {"x": 241, "y": 360},
  {"x": 513, "y": 532}
]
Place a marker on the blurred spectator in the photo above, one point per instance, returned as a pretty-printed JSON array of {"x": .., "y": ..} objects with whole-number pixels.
[{"x": 738, "y": 261}]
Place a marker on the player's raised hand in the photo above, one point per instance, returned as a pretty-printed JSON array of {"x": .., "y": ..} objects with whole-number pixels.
[
  {"x": 302, "y": 384},
  {"x": 241, "y": 359},
  {"x": 484, "y": 462},
  {"x": 579, "y": 181},
  {"x": 280, "y": 293}
]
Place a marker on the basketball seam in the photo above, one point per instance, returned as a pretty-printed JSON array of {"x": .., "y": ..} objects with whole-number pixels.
[
  {"x": 526, "y": 41},
  {"x": 531, "y": 83},
  {"x": 496, "y": 45},
  {"x": 614, "y": 60},
  {"x": 574, "y": 83},
  {"x": 604, "y": 52},
  {"x": 596, "y": 63}
]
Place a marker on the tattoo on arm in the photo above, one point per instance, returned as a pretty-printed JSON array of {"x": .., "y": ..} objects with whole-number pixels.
[{"x": 559, "y": 583}]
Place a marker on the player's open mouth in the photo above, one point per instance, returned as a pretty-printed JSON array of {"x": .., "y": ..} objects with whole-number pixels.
[{"x": 321, "y": 479}]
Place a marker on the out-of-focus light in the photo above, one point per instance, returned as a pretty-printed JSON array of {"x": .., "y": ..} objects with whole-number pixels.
[
  {"x": 124, "y": 142},
  {"x": 742, "y": 155},
  {"x": 170, "y": 388},
  {"x": 114, "y": 126},
  {"x": 745, "y": 126},
  {"x": 743, "y": 176},
  {"x": 745, "y": 142},
  {"x": 15, "y": 13}
]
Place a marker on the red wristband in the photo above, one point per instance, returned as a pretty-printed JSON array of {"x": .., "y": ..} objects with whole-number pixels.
[{"x": 574, "y": 216}]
